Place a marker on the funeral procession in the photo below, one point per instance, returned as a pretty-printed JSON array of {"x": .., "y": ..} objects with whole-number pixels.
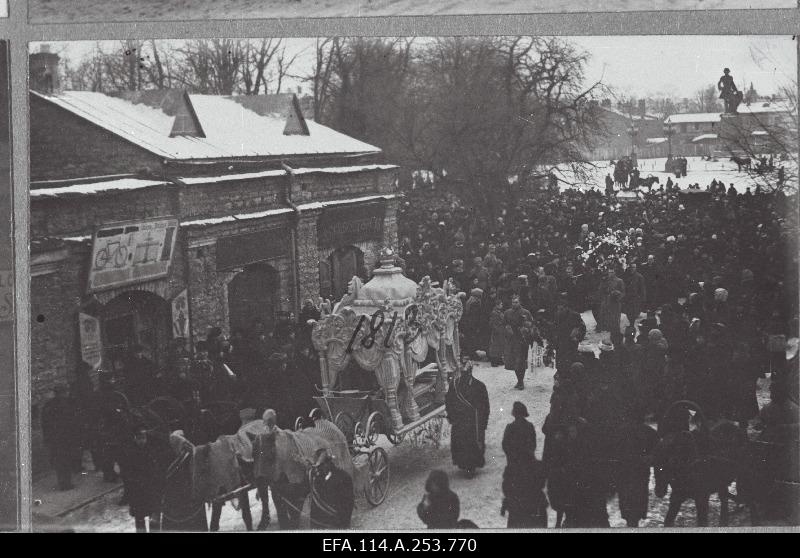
[{"x": 414, "y": 283}]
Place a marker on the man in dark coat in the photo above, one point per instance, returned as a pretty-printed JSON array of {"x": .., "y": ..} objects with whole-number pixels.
[
  {"x": 635, "y": 441},
  {"x": 470, "y": 324},
  {"x": 636, "y": 293},
  {"x": 331, "y": 495},
  {"x": 140, "y": 377},
  {"x": 523, "y": 478},
  {"x": 101, "y": 417},
  {"x": 61, "y": 429},
  {"x": 467, "y": 404},
  {"x": 142, "y": 475},
  {"x": 515, "y": 356}
]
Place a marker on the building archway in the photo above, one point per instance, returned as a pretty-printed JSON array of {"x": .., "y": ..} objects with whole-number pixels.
[
  {"x": 253, "y": 294},
  {"x": 343, "y": 265},
  {"x": 136, "y": 318}
]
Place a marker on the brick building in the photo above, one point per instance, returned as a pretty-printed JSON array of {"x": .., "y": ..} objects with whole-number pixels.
[{"x": 156, "y": 215}]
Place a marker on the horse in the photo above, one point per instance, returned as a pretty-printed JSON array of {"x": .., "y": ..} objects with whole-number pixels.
[
  {"x": 742, "y": 162},
  {"x": 283, "y": 459},
  {"x": 701, "y": 462},
  {"x": 649, "y": 181}
]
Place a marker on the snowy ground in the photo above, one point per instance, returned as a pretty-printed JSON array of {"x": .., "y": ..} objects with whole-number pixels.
[
  {"x": 58, "y": 11},
  {"x": 698, "y": 172},
  {"x": 480, "y": 496}
]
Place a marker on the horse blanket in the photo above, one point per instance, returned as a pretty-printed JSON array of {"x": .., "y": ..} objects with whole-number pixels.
[{"x": 296, "y": 451}]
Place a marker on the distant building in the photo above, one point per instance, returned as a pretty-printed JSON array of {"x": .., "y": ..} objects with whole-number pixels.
[
  {"x": 624, "y": 132},
  {"x": 697, "y": 134}
]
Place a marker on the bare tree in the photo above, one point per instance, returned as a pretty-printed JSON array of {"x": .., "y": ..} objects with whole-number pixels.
[
  {"x": 707, "y": 99},
  {"x": 256, "y": 60}
]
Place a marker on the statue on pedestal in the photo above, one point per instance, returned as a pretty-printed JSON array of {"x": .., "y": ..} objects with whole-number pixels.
[{"x": 729, "y": 92}]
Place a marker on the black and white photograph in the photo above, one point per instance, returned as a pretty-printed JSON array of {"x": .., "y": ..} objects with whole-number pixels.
[
  {"x": 408, "y": 283},
  {"x": 86, "y": 11}
]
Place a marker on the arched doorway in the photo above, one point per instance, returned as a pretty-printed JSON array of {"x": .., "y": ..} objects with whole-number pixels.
[
  {"x": 344, "y": 264},
  {"x": 253, "y": 294},
  {"x": 136, "y": 317}
]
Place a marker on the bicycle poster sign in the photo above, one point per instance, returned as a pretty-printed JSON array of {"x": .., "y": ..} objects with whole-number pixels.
[{"x": 131, "y": 252}]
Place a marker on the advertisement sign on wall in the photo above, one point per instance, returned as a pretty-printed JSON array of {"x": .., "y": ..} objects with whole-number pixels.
[
  {"x": 180, "y": 315},
  {"x": 131, "y": 252},
  {"x": 91, "y": 345}
]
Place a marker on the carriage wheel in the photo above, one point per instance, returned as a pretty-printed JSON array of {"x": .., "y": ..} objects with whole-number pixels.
[
  {"x": 374, "y": 427},
  {"x": 298, "y": 423},
  {"x": 378, "y": 482},
  {"x": 346, "y": 424}
]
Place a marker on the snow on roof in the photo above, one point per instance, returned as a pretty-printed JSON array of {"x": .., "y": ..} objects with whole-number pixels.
[
  {"x": 96, "y": 187},
  {"x": 332, "y": 203},
  {"x": 695, "y": 117},
  {"x": 656, "y": 140},
  {"x": 271, "y": 173},
  {"x": 281, "y": 211},
  {"x": 231, "y": 129},
  {"x": 705, "y": 137},
  {"x": 634, "y": 115},
  {"x": 760, "y": 133},
  {"x": 239, "y": 217}
]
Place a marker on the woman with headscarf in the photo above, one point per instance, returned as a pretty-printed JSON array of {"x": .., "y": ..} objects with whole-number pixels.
[
  {"x": 523, "y": 478},
  {"x": 440, "y": 507}
]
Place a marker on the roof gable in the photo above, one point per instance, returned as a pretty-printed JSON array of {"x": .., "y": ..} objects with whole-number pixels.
[{"x": 295, "y": 121}]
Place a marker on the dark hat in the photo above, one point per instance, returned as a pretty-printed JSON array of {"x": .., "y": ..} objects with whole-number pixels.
[{"x": 519, "y": 409}]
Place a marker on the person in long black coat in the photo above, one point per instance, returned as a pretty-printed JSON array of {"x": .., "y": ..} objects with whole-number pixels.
[
  {"x": 140, "y": 377},
  {"x": 440, "y": 506},
  {"x": 635, "y": 441},
  {"x": 467, "y": 405},
  {"x": 331, "y": 495},
  {"x": 61, "y": 429},
  {"x": 523, "y": 478},
  {"x": 515, "y": 356},
  {"x": 142, "y": 476}
]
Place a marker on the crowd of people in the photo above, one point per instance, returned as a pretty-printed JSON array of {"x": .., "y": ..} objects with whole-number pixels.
[{"x": 694, "y": 298}]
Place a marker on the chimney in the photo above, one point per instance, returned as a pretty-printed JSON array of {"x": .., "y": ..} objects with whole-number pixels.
[
  {"x": 642, "y": 107},
  {"x": 44, "y": 74}
]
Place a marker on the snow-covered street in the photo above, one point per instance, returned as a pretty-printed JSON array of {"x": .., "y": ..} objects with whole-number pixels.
[
  {"x": 698, "y": 172},
  {"x": 481, "y": 496},
  {"x": 75, "y": 11}
]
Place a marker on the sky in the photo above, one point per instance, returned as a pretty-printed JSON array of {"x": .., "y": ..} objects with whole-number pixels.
[{"x": 633, "y": 66}]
